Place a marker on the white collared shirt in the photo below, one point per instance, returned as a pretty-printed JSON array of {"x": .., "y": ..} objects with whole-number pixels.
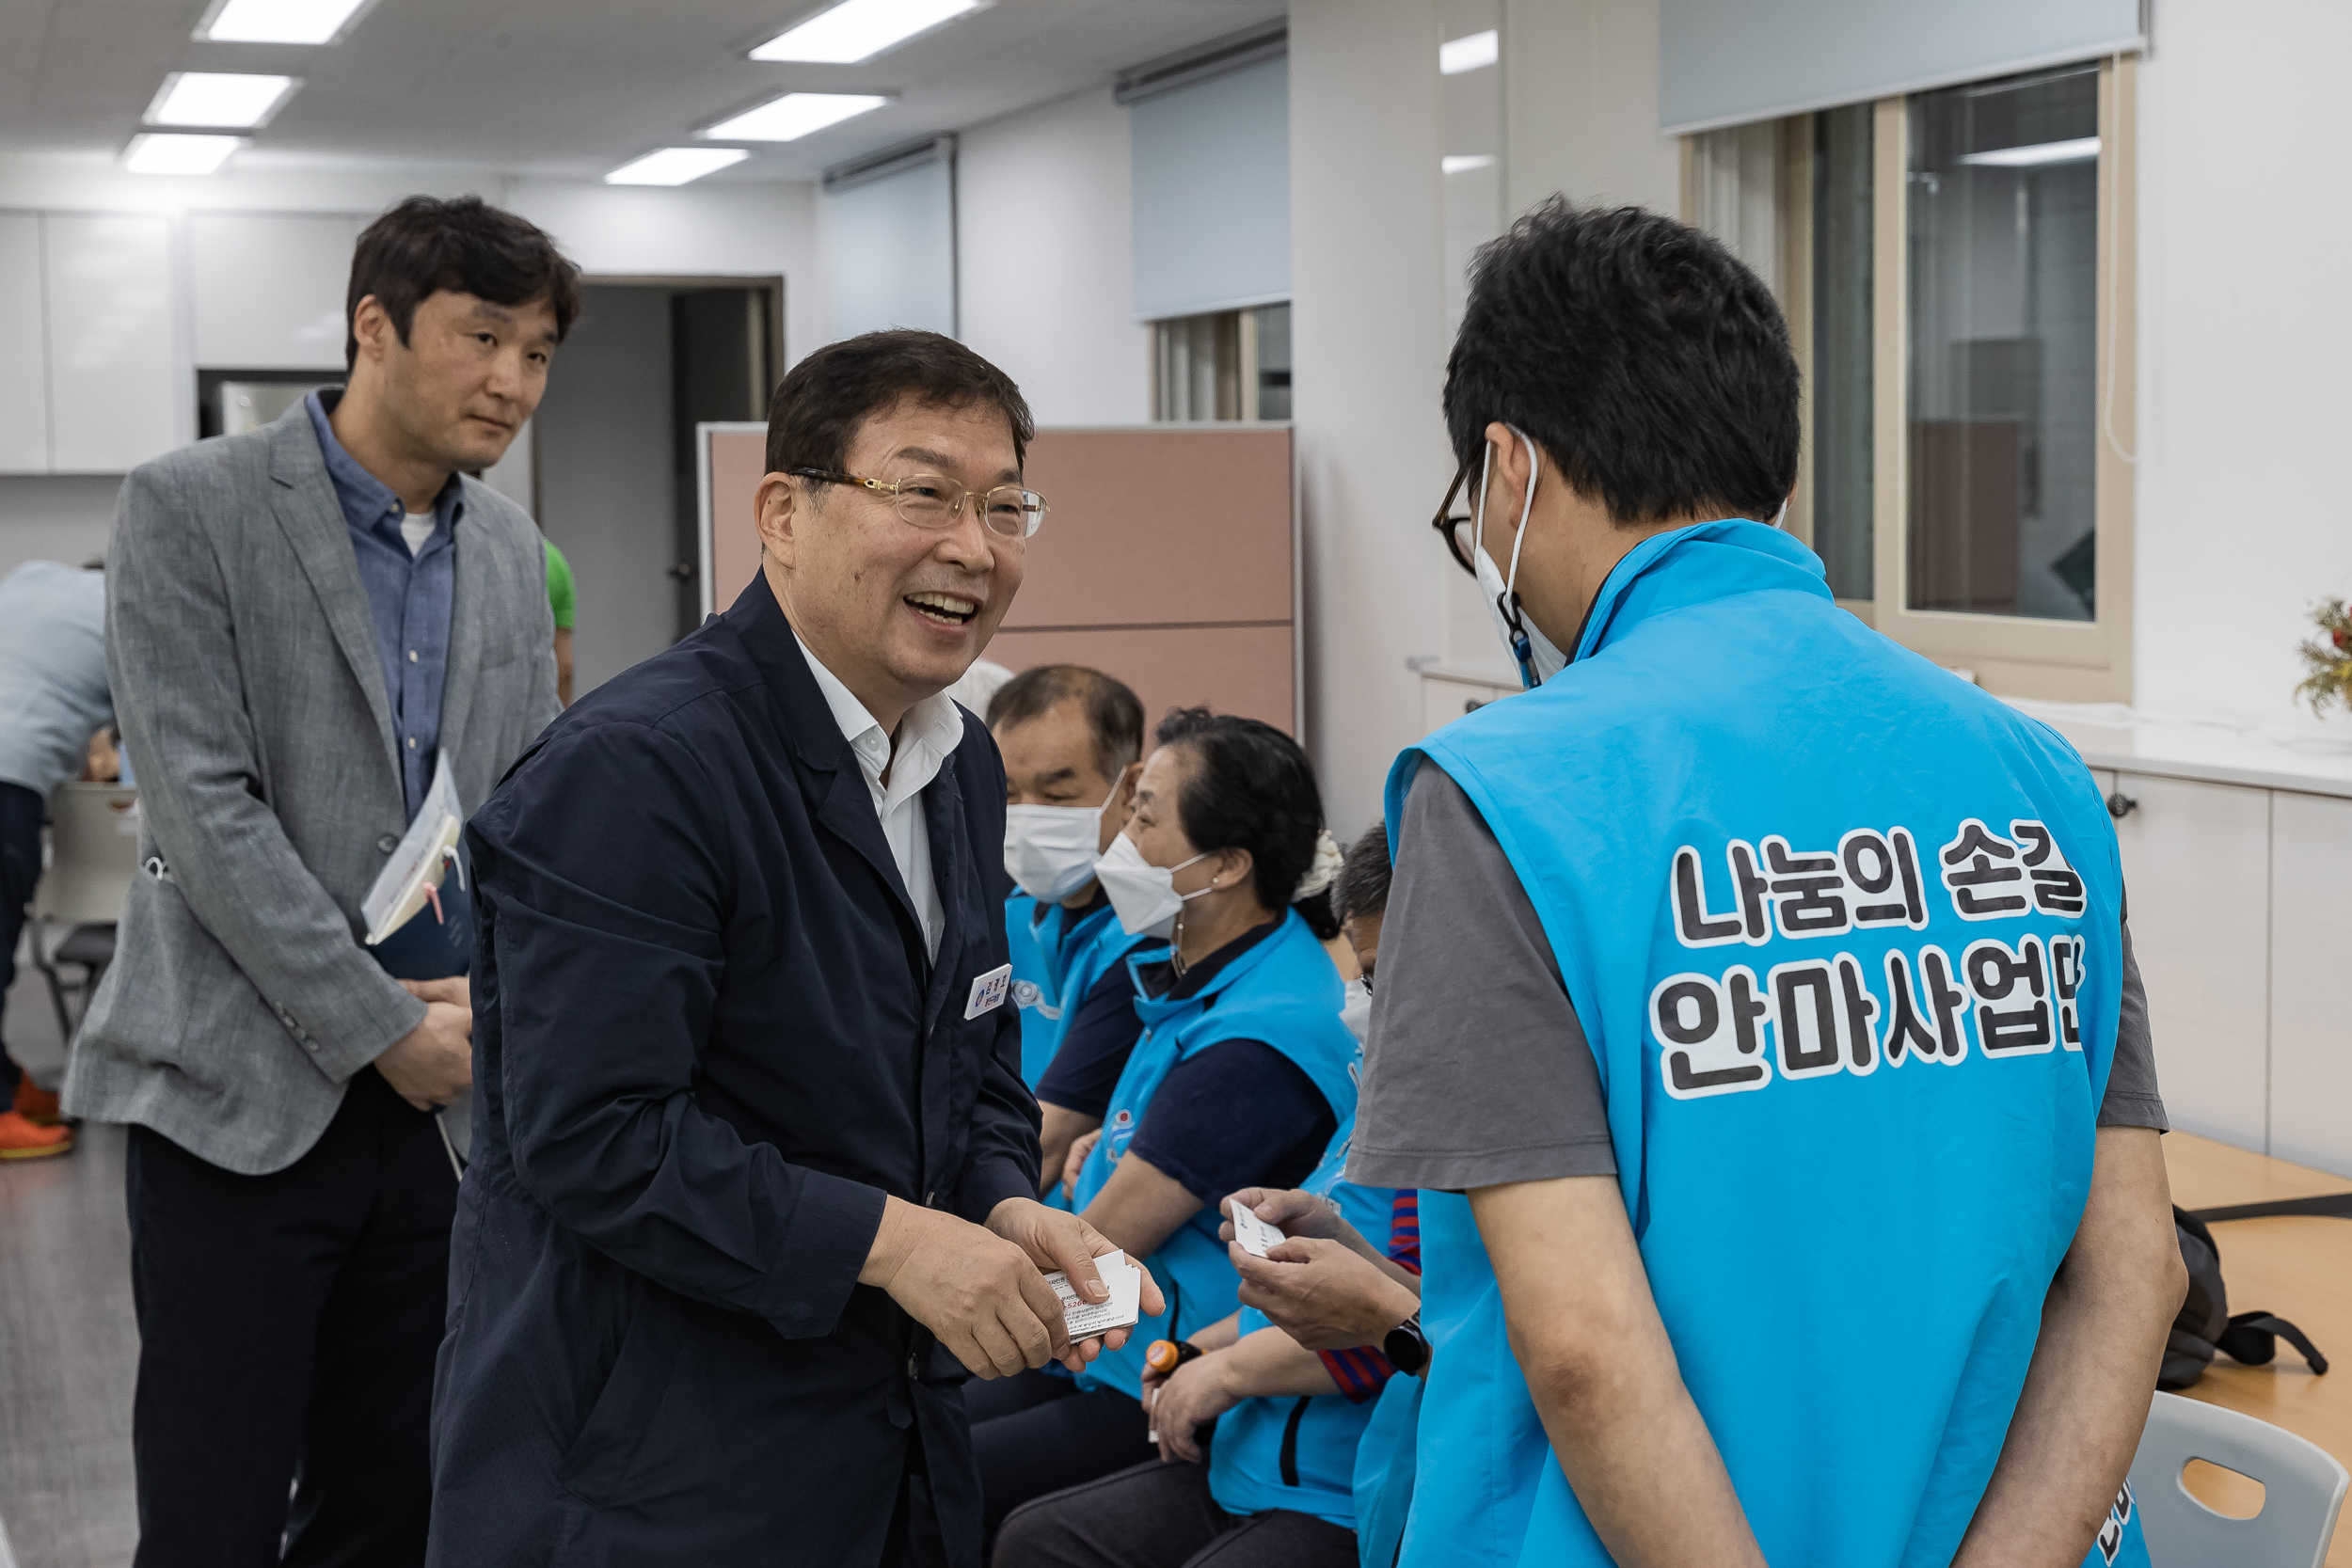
[{"x": 927, "y": 734}]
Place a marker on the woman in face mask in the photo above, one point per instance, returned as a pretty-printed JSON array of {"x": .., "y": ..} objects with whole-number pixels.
[
  {"x": 1280, "y": 1485},
  {"x": 1240, "y": 1078}
]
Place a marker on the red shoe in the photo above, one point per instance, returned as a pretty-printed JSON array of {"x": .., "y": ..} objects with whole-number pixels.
[
  {"x": 35, "y": 1104},
  {"x": 21, "y": 1140}
]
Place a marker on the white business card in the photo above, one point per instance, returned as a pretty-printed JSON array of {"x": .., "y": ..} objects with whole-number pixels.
[
  {"x": 1087, "y": 1319},
  {"x": 1253, "y": 1233}
]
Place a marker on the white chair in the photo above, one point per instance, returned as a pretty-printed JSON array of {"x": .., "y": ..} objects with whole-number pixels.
[
  {"x": 2303, "y": 1488},
  {"x": 93, "y": 854}
]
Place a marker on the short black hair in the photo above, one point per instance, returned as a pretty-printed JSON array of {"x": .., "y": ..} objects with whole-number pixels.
[
  {"x": 1649, "y": 364},
  {"x": 425, "y": 244},
  {"x": 1114, "y": 716},
  {"x": 1252, "y": 788},
  {"x": 1362, "y": 885},
  {"x": 823, "y": 400}
]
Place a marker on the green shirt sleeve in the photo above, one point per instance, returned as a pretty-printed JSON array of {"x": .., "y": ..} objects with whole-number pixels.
[{"x": 560, "y": 595}]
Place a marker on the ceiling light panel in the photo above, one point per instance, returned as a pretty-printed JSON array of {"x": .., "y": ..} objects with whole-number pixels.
[
  {"x": 674, "y": 165},
  {"x": 1463, "y": 163},
  {"x": 217, "y": 98},
  {"x": 2078, "y": 150},
  {"x": 279, "y": 21},
  {"x": 157, "y": 152},
  {"x": 794, "y": 116},
  {"x": 1470, "y": 52},
  {"x": 857, "y": 30}
]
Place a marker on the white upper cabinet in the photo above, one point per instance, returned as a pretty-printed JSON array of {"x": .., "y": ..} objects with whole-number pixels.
[
  {"x": 24, "y": 349},
  {"x": 268, "y": 290},
  {"x": 114, "y": 374}
]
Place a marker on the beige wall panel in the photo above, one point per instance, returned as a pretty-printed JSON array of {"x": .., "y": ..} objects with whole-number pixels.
[
  {"x": 1244, "y": 670},
  {"x": 737, "y": 461},
  {"x": 1160, "y": 527}
]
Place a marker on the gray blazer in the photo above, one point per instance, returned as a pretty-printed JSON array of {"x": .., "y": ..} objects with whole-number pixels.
[{"x": 242, "y": 658}]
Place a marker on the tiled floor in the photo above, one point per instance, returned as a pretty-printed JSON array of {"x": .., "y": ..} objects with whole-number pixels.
[{"x": 68, "y": 1340}]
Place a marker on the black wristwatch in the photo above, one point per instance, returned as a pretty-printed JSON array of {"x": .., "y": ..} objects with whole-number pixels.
[{"x": 1406, "y": 1347}]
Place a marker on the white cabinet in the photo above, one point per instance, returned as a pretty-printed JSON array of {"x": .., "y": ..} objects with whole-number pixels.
[
  {"x": 2197, "y": 879},
  {"x": 23, "y": 351},
  {"x": 2311, "y": 1021},
  {"x": 267, "y": 289},
  {"x": 113, "y": 366}
]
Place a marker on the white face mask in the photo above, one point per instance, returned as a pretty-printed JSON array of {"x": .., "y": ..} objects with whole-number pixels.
[
  {"x": 1050, "y": 850},
  {"x": 1538, "y": 657},
  {"x": 1357, "y": 1011},
  {"x": 1143, "y": 895}
]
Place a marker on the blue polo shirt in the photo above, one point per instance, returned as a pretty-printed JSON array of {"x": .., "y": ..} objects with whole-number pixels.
[{"x": 408, "y": 595}]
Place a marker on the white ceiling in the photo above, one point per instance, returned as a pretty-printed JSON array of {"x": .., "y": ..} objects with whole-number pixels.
[{"x": 568, "y": 88}]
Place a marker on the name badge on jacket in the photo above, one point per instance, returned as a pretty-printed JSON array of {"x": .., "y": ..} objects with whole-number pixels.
[{"x": 988, "y": 990}]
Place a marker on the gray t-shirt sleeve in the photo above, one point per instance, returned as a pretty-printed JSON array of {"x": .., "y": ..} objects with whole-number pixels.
[
  {"x": 2132, "y": 1099},
  {"x": 1477, "y": 1073}
]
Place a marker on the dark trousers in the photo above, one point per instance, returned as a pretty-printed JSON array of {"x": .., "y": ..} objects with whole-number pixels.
[
  {"x": 287, "y": 1329},
  {"x": 1037, "y": 1434},
  {"x": 21, "y": 815},
  {"x": 1161, "y": 1516}
]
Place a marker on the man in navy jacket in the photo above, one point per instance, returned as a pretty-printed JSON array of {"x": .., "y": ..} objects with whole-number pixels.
[{"x": 755, "y": 1172}]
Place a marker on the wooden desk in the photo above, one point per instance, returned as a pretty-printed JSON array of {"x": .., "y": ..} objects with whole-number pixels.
[{"x": 2299, "y": 1268}]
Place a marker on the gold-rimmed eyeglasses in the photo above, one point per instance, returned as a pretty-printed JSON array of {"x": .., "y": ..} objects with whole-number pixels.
[
  {"x": 927, "y": 500},
  {"x": 1454, "y": 527}
]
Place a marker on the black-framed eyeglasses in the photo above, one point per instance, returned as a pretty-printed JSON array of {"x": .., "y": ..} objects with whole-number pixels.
[
  {"x": 927, "y": 500},
  {"x": 1455, "y": 528}
]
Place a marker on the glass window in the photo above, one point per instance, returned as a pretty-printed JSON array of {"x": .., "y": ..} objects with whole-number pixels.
[
  {"x": 2002, "y": 230},
  {"x": 1273, "y": 323},
  {"x": 1843, "y": 501},
  {"x": 1225, "y": 365}
]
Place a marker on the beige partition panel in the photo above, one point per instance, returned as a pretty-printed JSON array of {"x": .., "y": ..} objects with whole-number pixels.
[{"x": 1168, "y": 559}]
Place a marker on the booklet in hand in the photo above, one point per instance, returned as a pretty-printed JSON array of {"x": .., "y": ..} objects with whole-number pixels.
[{"x": 419, "y": 913}]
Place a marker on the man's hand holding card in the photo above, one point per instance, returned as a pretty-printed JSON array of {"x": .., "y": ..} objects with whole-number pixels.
[{"x": 1103, "y": 1292}]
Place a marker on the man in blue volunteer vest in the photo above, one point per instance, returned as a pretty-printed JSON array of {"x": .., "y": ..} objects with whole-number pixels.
[
  {"x": 1757, "y": 1013},
  {"x": 1073, "y": 743}
]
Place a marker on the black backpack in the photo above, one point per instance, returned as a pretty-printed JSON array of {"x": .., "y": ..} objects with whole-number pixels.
[{"x": 2204, "y": 1325}]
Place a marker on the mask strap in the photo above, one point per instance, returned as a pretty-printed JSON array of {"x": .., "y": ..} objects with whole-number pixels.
[
  {"x": 1527, "y": 507},
  {"x": 1782, "y": 515},
  {"x": 1522, "y": 647}
]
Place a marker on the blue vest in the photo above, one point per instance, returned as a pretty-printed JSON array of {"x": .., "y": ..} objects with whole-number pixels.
[
  {"x": 1296, "y": 1452},
  {"x": 1384, "y": 1471},
  {"x": 1284, "y": 992},
  {"x": 1044, "y": 952},
  {"x": 1843, "y": 934}
]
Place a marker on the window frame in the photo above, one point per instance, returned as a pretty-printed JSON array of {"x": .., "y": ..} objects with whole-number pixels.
[{"x": 2015, "y": 656}]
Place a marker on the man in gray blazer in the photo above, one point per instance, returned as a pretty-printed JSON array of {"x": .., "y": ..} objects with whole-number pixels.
[{"x": 300, "y": 621}]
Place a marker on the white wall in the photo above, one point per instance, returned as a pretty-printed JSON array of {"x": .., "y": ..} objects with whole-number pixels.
[
  {"x": 1053, "y": 308},
  {"x": 1368, "y": 342},
  {"x": 2244, "y": 337},
  {"x": 689, "y": 231},
  {"x": 1581, "y": 101}
]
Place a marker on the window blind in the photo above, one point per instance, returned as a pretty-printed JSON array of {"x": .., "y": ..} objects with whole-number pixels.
[
  {"x": 1728, "y": 62},
  {"x": 1212, "y": 192},
  {"x": 891, "y": 246}
]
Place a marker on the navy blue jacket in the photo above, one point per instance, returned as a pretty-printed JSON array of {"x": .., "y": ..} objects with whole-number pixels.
[{"x": 708, "y": 1040}]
